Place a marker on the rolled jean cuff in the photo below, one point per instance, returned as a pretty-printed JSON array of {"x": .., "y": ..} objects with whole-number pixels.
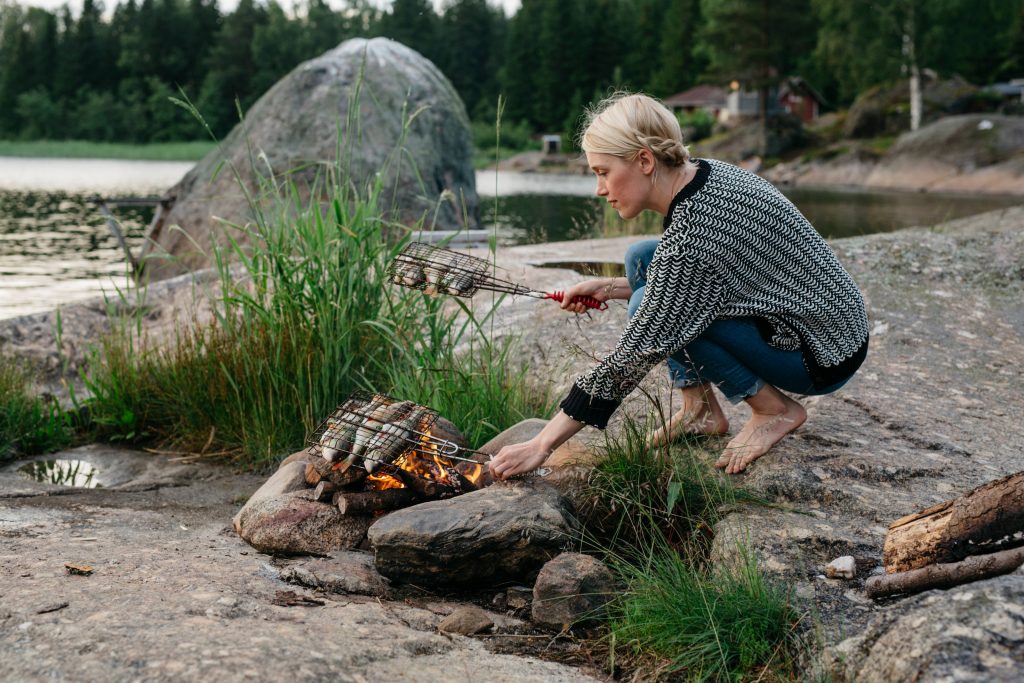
[{"x": 744, "y": 395}]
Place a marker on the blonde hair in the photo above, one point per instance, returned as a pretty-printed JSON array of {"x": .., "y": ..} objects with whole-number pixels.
[{"x": 626, "y": 123}]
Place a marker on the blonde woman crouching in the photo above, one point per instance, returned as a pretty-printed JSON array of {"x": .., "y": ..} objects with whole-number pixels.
[{"x": 740, "y": 292}]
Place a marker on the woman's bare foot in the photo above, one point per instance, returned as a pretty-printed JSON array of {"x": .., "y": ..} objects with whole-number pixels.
[
  {"x": 700, "y": 415},
  {"x": 773, "y": 415}
]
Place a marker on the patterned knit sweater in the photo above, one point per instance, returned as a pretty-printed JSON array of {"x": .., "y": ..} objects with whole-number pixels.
[{"x": 733, "y": 247}]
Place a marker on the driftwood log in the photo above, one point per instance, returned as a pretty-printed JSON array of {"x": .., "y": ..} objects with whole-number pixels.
[
  {"x": 368, "y": 502},
  {"x": 945, "y": 575},
  {"x": 955, "y": 529}
]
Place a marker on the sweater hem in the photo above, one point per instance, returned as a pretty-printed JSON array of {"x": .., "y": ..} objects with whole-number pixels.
[{"x": 590, "y": 410}]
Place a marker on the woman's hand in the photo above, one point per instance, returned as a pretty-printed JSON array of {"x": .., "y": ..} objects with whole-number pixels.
[
  {"x": 601, "y": 289},
  {"x": 525, "y": 457},
  {"x": 518, "y": 459}
]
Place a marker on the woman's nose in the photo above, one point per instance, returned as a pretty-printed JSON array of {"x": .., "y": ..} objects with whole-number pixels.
[{"x": 601, "y": 189}]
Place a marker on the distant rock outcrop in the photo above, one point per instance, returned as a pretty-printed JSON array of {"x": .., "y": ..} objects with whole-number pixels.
[{"x": 297, "y": 124}]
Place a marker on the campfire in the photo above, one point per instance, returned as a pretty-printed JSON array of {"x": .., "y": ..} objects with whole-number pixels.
[{"x": 375, "y": 453}]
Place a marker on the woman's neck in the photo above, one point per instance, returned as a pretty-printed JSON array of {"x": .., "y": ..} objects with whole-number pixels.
[{"x": 668, "y": 186}]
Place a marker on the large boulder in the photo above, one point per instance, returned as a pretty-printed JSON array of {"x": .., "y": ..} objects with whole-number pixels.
[
  {"x": 505, "y": 531},
  {"x": 294, "y": 127}
]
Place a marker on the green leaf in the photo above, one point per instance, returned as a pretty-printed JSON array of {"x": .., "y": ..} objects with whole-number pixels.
[{"x": 674, "y": 489}]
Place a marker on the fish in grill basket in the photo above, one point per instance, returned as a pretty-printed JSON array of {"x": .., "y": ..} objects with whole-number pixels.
[{"x": 374, "y": 433}]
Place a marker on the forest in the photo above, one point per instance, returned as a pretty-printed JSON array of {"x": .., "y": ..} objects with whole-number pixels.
[{"x": 107, "y": 74}]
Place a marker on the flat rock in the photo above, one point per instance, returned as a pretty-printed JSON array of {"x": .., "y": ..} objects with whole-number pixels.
[
  {"x": 341, "y": 572},
  {"x": 505, "y": 531},
  {"x": 971, "y": 633},
  {"x": 571, "y": 589},
  {"x": 288, "y": 478}
]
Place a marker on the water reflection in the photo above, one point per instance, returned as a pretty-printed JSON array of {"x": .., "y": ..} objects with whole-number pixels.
[
  {"x": 75, "y": 473},
  {"x": 55, "y": 246}
]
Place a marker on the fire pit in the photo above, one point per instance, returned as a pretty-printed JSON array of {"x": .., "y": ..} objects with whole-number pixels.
[{"x": 376, "y": 453}]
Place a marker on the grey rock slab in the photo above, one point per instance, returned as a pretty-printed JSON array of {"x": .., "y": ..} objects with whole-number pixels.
[
  {"x": 971, "y": 633},
  {"x": 504, "y": 531},
  {"x": 295, "y": 128},
  {"x": 341, "y": 572},
  {"x": 176, "y": 595},
  {"x": 571, "y": 589},
  {"x": 287, "y": 479}
]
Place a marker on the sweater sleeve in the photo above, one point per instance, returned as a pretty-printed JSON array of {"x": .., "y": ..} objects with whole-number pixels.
[{"x": 684, "y": 294}]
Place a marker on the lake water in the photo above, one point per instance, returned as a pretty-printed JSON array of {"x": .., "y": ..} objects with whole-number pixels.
[{"x": 55, "y": 246}]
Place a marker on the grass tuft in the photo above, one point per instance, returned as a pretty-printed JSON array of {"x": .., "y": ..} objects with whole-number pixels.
[
  {"x": 679, "y": 617},
  {"x": 29, "y": 424}
]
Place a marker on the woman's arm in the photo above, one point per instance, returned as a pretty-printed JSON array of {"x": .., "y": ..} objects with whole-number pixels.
[
  {"x": 528, "y": 456},
  {"x": 602, "y": 289}
]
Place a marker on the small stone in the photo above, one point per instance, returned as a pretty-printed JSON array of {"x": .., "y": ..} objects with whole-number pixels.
[
  {"x": 844, "y": 567},
  {"x": 571, "y": 589},
  {"x": 466, "y": 621},
  {"x": 519, "y": 597}
]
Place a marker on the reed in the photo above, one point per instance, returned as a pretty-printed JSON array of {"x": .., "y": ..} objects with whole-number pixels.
[{"x": 304, "y": 316}]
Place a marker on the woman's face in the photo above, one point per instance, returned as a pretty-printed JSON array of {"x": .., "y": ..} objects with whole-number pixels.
[{"x": 623, "y": 183}]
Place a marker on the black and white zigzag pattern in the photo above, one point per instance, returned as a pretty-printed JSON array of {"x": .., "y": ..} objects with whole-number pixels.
[{"x": 736, "y": 247}]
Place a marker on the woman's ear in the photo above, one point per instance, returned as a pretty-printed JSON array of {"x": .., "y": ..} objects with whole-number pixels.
[{"x": 646, "y": 160}]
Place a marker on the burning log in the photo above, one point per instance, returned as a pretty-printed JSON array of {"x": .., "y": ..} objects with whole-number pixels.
[
  {"x": 945, "y": 575},
  {"x": 368, "y": 502},
  {"x": 424, "y": 488},
  {"x": 952, "y": 530}
]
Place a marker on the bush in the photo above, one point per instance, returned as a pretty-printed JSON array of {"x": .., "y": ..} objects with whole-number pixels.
[{"x": 696, "y": 125}]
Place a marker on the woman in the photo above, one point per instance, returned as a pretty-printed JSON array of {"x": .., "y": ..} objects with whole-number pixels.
[{"x": 740, "y": 292}]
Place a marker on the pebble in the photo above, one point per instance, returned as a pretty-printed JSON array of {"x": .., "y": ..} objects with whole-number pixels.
[{"x": 844, "y": 567}]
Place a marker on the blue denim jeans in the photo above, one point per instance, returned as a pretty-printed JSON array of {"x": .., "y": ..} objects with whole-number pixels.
[{"x": 730, "y": 353}]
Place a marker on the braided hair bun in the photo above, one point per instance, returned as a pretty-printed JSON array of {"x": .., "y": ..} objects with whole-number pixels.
[{"x": 625, "y": 123}]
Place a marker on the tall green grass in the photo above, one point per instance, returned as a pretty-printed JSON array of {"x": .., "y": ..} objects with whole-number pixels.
[
  {"x": 679, "y": 615},
  {"x": 305, "y": 315},
  {"x": 29, "y": 424}
]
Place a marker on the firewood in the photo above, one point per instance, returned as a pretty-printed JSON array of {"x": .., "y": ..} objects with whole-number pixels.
[
  {"x": 952, "y": 530},
  {"x": 368, "y": 502},
  {"x": 313, "y": 475},
  {"x": 324, "y": 490},
  {"x": 946, "y": 575},
  {"x": 319, "y": 469},
  {"x": 428, "y": 489}
]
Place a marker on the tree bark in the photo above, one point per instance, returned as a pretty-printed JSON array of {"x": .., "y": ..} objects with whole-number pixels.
[
  {"x": 368, "y": 502},
  {"x": 952, "y": 530},
  {"x": 325, "y": 490},
  {"x": 945, "y": 575}
]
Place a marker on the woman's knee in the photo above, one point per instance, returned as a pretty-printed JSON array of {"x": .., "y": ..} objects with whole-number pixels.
[
  {"x": 638, "y": 257},
  {"x": 634, "y": 301}
]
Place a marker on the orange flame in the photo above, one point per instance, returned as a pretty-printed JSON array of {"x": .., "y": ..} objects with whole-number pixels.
[{"x": 424, "y": 460}]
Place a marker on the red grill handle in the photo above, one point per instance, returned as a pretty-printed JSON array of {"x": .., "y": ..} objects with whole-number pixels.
[{"x": 588, "y": 301}]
